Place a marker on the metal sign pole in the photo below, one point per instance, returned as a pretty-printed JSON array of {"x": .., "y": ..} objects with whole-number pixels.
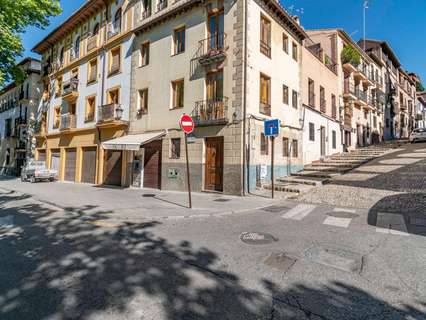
[
  {"x": 272, "y": 166},
  {"x": 187, "y": 172}
]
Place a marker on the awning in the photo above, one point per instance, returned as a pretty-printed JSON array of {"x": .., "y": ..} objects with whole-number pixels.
[{"x": 132, "y": 141}]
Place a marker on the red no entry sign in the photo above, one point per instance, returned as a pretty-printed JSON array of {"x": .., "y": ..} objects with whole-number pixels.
[{"x": 186, "y": 124}]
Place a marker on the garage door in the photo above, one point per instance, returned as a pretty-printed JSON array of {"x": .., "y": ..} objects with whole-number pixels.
[
  {"x": 88, "y": 173},
  {"x": 55, "y": 160},
  {"x": 70, "y": 164},
  {"x": 152, "y": 165},
  {"x": 113, "y": 168}
]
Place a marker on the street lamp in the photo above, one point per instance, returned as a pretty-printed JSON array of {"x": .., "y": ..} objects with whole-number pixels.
[{"x": 118, "y": 112}]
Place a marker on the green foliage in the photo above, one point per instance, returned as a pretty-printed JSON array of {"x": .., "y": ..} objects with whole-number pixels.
[
  {"x": 15, "y": 17},
  {"x": 420, "y": 87},
  {"x": 350, "y": 55}
]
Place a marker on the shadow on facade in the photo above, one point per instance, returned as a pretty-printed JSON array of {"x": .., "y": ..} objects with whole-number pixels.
[{"x": 59, "y": 267}]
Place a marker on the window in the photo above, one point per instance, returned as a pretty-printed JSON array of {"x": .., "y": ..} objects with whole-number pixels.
[
  {"x": 57, "y": 117},
  {"x": 143, "y": 101},
  {"x": 295, "y": 149},
  {"x": 375, "y": 121},
  {"x": 8, "y": 156},
  {"x": 8, "y": 128},
  {"x": 285, "y": 147},
  {"x": 175, "y": 148},
  {"x": 265, "y": 36},
  {"x": 333, "y": 139},
  {"x": 90, "y": 109},
  {"x": 294, "y": 51},
  {"x": 115, "y": 61},
  {"x": 179, "y": 40},
  {"x": 72, "y": 108},
  {"x": 177, "y": 94},
  {"x": 265, "y": 95},
  {"x": 144, "y": 54},
  {"x": 92, "y": 72},
  {"x": 322, "y": 100},
  {"x": 294, "y": 99},
  {"x": 264, "y": 145},
  {"x": 75, "y": 53},
  {"x": 114, "y": 96},
  {"x": 285, "y": 94},
  {"x": 59, "y": 86},
  {"x": 311, "y": 93},
  {"x": 333, "y": 107},
  {"x": 365, "y": 115},
  {"x": 285, "y": 43},
  {"x": 311, "y": 131}
]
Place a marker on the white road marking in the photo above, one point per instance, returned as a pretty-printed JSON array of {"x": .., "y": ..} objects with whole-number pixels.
[
  {"x": 390, "y": 231},
  {"x": 299, "y": 212},
  {"x": 337, "y": 222},
  {"x": 344, "y": 210}
]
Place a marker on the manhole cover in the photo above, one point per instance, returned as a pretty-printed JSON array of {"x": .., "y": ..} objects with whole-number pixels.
[
  {"x": 257, "y": 238},
  {"x": 342, "y": 214},
  {"x": 337, "y": 258},
  {"x": 275, "y": 209},
  {"x": 280, "y": 261},
  {"x": 148, "y": 195},
  {"x": 222, "y": 200}
]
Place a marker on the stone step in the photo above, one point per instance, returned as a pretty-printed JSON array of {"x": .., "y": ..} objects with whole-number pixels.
[
  {"x": 327, "y": 169},
  {"x": 334, "y": 164},
  {"x": 316, "y": 174},
  {"x": 311, "y": 181},
  {"x": 343, "y": 161},
  {"x": 289, "y": 187},
  {"x": 348, "y": 157}
]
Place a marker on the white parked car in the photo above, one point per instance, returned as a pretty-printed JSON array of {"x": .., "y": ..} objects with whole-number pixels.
[
  {"x": 418, "y": 134},
  {"x": 35, "y": 171}
]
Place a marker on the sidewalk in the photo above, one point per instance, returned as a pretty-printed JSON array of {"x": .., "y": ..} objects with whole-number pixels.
[{"x": 134, "y": 204}]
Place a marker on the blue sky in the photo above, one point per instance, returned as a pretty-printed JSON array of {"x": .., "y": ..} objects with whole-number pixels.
[{"x": 401, "y": 22}]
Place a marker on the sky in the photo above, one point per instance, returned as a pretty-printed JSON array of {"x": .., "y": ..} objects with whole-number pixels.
[{"x": 400, "y": 22}]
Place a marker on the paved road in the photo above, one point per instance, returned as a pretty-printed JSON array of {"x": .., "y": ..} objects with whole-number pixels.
[{"x": 297, "y": 260}]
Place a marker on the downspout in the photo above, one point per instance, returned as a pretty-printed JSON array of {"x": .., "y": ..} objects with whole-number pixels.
[{"x": 245, "y": 100}]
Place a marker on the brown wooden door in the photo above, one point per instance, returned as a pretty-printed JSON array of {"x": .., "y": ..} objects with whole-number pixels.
[
  {"x": 113, "y": 168},
  {"x": 70, "y": 164},
  {"x": 55, "y": 161},
  {"x": 322, "y": 138},
  {"x": 88, "y": 174},
  {"x": 214, "y": 164},
  {"x": 152, "y": 165}
]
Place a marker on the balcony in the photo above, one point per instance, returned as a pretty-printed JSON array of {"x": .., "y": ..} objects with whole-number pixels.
[
  {"x": 265, "y": 108},
  {"x": 311, "y": 99},
  {"x": 349, "y": 67},
  {"x": 68, "y": 121},
  {"x": 349, "y": 89},
  {"x": 114, "y": 28},
  {"x": 330, "y": 63},
  {"x": 265, "y": 48},
  {"x": 111, "y": 113},
  {"x": 146, "y": 14},
  {"x": 70, "y": 89},
  {"x": 212, "y": 49},
  {"x": 361, "y": 97},
  {"x": 211, "y": 112},
  {"x": 361, "y": 73},
  {"x": 92, "y": 43},
  {"x": 161, "y": 5}
]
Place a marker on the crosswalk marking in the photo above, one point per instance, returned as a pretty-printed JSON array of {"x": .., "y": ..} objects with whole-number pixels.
[
  {"x": 344, "y": 210},
  {"x": 337, "y": 222},
  {"x": 299, "y": 212},
  {"x": 391, "y": 231}
]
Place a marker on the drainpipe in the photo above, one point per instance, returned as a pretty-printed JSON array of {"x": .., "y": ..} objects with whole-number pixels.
[{"x": 245, "y": 100}]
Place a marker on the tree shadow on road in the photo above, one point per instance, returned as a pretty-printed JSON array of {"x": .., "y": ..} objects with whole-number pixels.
[
  {"x": 54, "y": 266},
  {"x": 404, "y": 212}
]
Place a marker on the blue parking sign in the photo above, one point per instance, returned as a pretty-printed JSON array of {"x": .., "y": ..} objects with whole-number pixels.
[{"x": 271, "y": 127}]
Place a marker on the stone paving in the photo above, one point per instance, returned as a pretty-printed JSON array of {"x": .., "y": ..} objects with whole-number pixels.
[{"x": 395, "y": 175}]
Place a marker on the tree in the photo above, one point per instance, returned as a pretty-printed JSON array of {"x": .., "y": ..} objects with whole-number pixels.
[
  {"x": 420, "y": 87},
  {"x": 15, "y": 17},
  {"x": 350, "y": 55}
]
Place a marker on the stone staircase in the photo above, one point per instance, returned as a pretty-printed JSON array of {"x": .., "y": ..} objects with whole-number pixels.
[{"x": 322, "y": 172}]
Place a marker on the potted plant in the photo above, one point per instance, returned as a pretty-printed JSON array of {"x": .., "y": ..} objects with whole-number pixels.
[{"x": 350, "y": 55}]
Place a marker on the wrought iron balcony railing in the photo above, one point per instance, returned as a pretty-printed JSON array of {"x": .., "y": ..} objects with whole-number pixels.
[
  {"x": 211, "y": 111},
  {"x": 212, "y": 49},
  {"x": 68, "y": 121},
  {"x": 161, "y": 5},
  {"x": 109, "y": 112},
  {"x": 70, "y": 86}
]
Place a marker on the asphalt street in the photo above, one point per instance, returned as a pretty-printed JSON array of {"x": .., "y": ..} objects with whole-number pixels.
[{"x": 82, "y": 255}]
